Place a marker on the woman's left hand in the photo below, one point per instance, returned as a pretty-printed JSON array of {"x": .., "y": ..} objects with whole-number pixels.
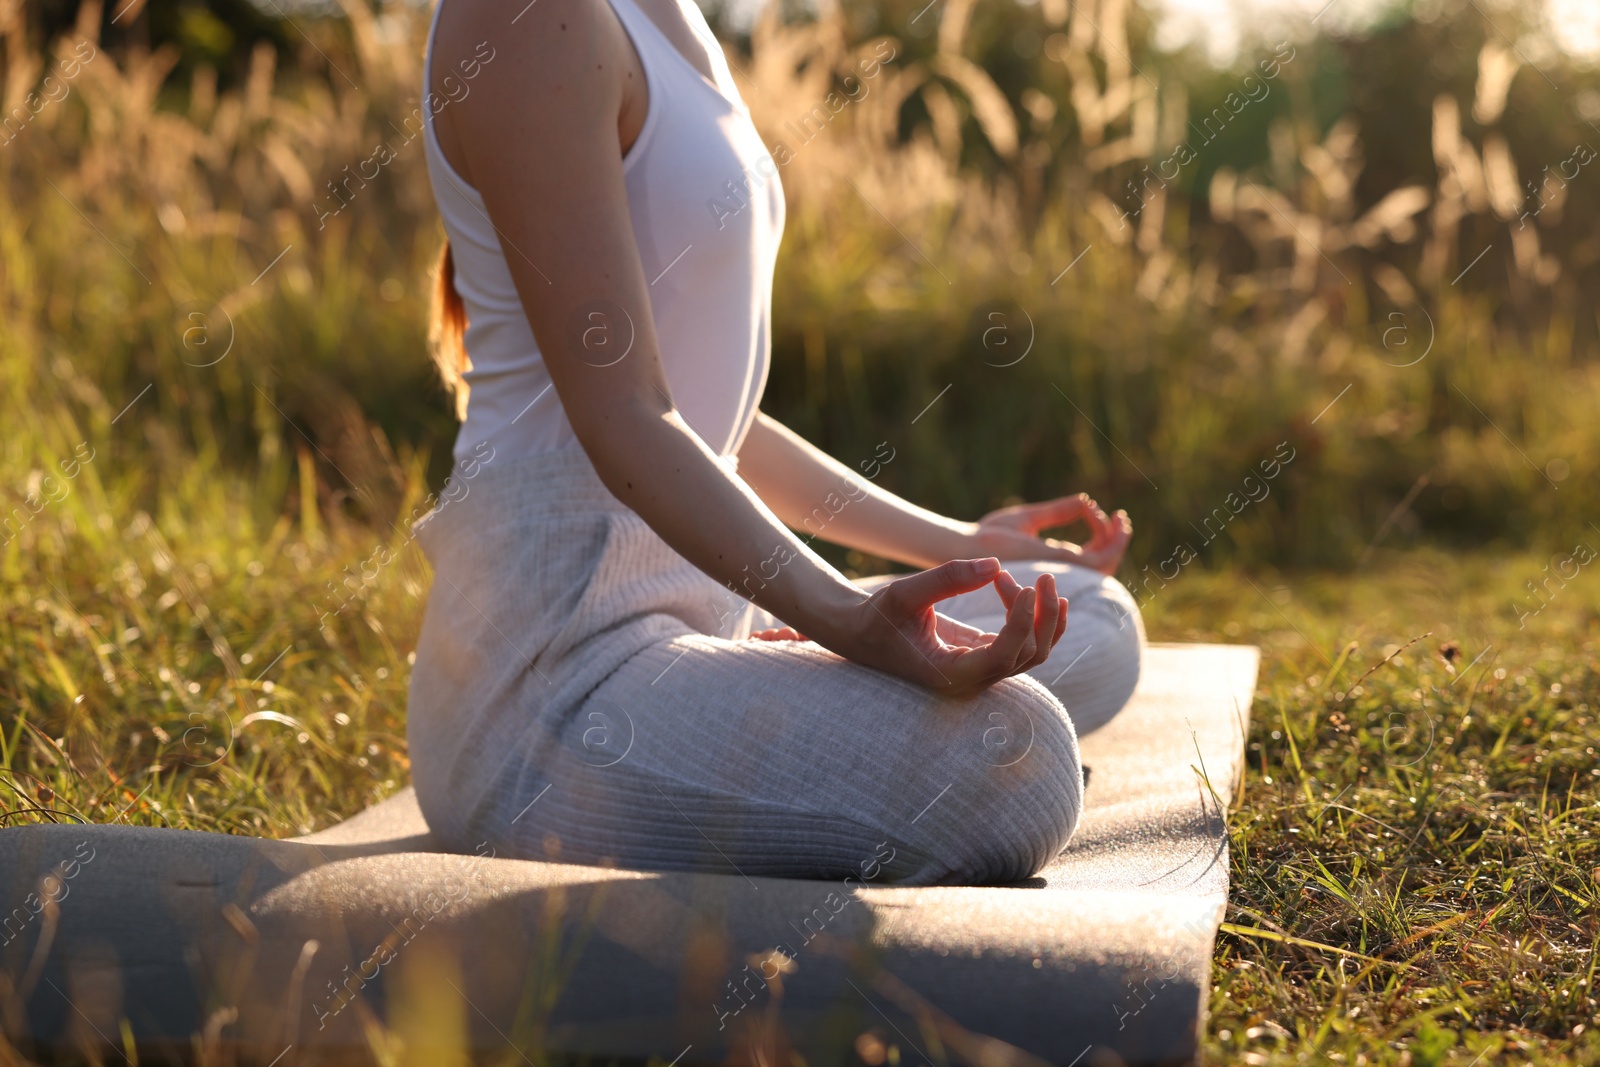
[{"x": 1013, "y": 533}]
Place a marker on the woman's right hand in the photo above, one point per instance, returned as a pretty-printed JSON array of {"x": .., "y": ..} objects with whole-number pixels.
[{"x": 898, "y": 631}]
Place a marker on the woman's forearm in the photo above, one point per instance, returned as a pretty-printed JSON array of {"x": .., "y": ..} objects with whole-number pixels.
[
  {"x": 656, "y": 465},
  {"x": 814, "y": 493}
]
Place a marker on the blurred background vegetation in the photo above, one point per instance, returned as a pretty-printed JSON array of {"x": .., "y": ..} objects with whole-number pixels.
[{"x": 1394, "y": 217}]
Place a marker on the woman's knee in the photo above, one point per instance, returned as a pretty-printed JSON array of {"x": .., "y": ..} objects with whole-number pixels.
[
  {"x": 1096, "y": 667},
  {"x": 1014, "y": 798}
]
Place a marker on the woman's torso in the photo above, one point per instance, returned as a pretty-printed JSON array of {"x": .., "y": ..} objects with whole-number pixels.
[{"x": 707, "y": 214}]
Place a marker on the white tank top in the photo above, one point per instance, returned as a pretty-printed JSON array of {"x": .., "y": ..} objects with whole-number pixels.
[{"x": 707, "y": 213}]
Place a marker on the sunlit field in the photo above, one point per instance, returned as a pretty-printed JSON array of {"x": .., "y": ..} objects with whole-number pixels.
[{"x": 1323, "y": 320}]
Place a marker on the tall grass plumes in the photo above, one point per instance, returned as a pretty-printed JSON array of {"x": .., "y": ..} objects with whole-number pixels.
[
  {"x": 1039, "y": 264},
  {"x": 192, "y": 485},
  {"x": 1180, "y": 332}
]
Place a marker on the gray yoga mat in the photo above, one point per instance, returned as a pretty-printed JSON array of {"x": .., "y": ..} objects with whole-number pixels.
[{"x": 293, "y": 951}]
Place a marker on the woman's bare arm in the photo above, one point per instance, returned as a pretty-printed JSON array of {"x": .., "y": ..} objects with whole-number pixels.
[
  {"x": 539, "y": 137},
  {"x": 815, "y": 493},
  {"x": 811, "y": 491}
]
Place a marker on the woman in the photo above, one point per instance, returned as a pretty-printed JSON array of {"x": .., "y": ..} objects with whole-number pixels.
[{"x": 592, "y": 682}]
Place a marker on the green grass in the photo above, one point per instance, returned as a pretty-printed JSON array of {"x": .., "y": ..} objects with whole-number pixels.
[
  {"x": 1414, "y": 851},
  {"x": 202, "y": 669}
]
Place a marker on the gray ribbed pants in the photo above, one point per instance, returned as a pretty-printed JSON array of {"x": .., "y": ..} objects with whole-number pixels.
[{"x": 581, "y": 692}]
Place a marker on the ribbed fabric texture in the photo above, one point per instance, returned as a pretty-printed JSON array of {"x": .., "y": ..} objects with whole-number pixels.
[
  {"x": 1094, "y": 667},
  {"x": 583, "y": 693}
]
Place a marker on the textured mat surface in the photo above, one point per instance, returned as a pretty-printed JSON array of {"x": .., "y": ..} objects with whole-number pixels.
[{"x": 294, "y": 949}]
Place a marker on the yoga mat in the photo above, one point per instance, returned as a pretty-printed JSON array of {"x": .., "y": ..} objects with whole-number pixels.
[{"x": 288, "y": 952}]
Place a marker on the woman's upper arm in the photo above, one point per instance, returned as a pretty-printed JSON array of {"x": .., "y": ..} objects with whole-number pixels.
[{"x": 538, "y": 133}]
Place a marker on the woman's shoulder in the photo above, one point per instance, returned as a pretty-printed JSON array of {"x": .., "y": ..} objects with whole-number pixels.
[
  {"x": 561, "y": 44},
  {"x": 542, "y": 67}
]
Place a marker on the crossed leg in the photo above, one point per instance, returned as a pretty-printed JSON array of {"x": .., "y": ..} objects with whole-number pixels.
[{"x": 781, "y": 759}]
